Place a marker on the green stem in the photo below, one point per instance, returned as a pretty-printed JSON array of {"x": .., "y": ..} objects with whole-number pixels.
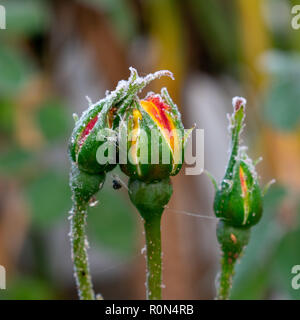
[
  {"x": 79, "y": 251},
  {"x": 154, "y": 261},
  {"x": 227, "y": 272}
]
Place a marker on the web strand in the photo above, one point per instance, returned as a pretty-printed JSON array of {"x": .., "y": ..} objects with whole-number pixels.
[{"x": 192, "y": 214}]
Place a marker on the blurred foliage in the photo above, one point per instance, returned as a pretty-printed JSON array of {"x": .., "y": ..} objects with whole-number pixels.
[
  {"x": 281, "y": 107},
  {"x": 15, "y": 160},
  {"x": 18, "y": 289},
  {"x": 26, "y": 18},
  {"x": 122, "y": 17},
  {"x": 54, "y": 121},
  {"x": 16, "y": 67},
  {"x": 6, "y": 117},
  {"x": 218, "y": 36},
  {"x": 41, "y": 193},
  {"x": 284, "y": 259}
]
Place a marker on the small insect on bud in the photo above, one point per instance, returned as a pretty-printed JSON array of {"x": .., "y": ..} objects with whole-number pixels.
[
  {"x": 156, "y": 138},
  {"x": 116, "y": 184}
]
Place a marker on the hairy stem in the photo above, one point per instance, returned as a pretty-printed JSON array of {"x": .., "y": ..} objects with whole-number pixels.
[
  {"x": 154, "y": 261},
  {"x": 79, "y": 246},
  {"x": 227, "y": 272}
]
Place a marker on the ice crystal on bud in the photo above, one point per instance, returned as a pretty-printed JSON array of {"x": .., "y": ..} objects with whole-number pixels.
[
  {"x": 89, "y": 100},
  {"x": 237, "y": 102},
  {"x": 143, "y": 250},
  {"x": 75, "y": 117}
]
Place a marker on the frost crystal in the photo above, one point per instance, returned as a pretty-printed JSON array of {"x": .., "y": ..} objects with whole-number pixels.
[
  {"x": 244, "y": 157},
  {"x": 89, "y": 100},
  {"x": 237, "y": 102}
]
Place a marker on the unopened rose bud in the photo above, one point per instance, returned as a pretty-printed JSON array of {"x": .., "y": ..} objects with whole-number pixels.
[
  {"x": 156, "y": 138},
  {"x": 239, "y": 199}
]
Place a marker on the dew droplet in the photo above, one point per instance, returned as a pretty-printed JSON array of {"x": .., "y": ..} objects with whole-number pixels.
[
  {"x": 143, "y": 250},
  {"x": 93, "y": 202}
]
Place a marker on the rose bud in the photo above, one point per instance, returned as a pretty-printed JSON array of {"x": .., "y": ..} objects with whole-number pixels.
[
  {"x": 239, "y": 199},
  {"x": 152, "y": 139},
  {"x": 91, "y": 129}
]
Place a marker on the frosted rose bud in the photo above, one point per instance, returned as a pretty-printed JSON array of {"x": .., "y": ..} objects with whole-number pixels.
[
  {"x": 155, "y": 138},
  {"x": 238, "y": 199}
]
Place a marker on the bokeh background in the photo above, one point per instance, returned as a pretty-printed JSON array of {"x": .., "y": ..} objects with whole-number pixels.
[{"x": 55, "y": 53}]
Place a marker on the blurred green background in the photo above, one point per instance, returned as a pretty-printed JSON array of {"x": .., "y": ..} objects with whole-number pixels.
[{"x": 54, "y": 53}]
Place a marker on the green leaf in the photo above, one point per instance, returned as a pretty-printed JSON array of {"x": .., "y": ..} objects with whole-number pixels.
[
  {"x": 122, "y": 16},
  {"x": 6, "y": 116},
  {"x": 54, "y": 120},
  {"x": 27, "y": 17},
  {"x": 14, "y": 160},
  {"x": 49, "y": 198},
  {"x": 287, "y": 255},
  {"x": 27, "y": 288},
  {"x": 281, "y": 107},
  {"x": 216, "y": 28},
  {"x": 15, "y": 69}
]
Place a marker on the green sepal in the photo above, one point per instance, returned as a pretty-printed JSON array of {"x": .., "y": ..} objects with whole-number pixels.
[
  {"x": 267, "y": 187},
  {"x": 87, "y": 155},
  {"x": 176, "y": 115},
  {"x": 83, "y": 185},
  {"x": 212, "y": 179},
  {"x": 150, "y": 198},
  {"x": 232, "y": 239},
  {"x": 236, "y": 126}
]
